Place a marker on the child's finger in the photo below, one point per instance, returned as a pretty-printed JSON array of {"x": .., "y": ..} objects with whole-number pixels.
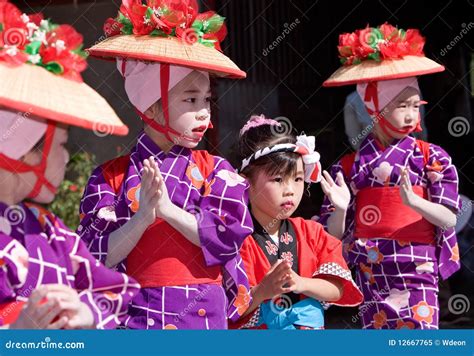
[
  {"x": 58, "y": 324},
  {"x": 36, "y": 296},
  {"x": 48, "y": 313},
  {"x": 329, "y": 179},
  {"x": 324, "y": 186},
  {"x": 275, "y": 265},
  {"x": 281, "y": 268},
  {"x": 340, "y": 179}
]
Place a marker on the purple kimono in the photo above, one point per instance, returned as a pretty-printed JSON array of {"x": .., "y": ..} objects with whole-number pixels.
[
  {"x": 36, "y": 248},
  {"x": 399, "y": 279},
  {"x": 220, "y": 207}
]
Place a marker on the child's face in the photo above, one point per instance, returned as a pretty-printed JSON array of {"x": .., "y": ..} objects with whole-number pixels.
[
  {"x": 55, "y": 168},
  {"x": 277, "y": 197},
  {"x": 189, "y": 109},
  {"x": 404, "y": 111}
]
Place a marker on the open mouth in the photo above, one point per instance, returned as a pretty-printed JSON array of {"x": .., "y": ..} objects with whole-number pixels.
[{"x": 200, "y": 129}]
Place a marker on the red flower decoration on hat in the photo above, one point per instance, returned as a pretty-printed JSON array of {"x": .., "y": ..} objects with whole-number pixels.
[
  {"x": 379, "y": 43},
  {"x": 31, "y": 39},
  {"x": 173, "y": 18}
]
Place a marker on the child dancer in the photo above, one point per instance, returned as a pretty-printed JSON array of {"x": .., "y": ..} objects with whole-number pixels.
[
  {"x": 48, "y": 278},
  {"x": 174, "y": 217},
  {"x": 398, "y": 217},
  {"x": 292, "y": 263}
]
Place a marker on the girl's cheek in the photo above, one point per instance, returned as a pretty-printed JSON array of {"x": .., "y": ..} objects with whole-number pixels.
[{"x": 66, "y": 156}]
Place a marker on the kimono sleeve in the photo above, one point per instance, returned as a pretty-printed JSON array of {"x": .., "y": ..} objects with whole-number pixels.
[
  {"x": 224, "y": 219},
  {"x": 98, "y": 216},
  {"x": 106, "y": 292},
  {"x": 442, "y": 179},
  {"x": 331, "y": 263}
]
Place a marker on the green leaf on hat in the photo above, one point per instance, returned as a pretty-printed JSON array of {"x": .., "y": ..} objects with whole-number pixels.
[
  {"x": 214, "y": 23},
  {"x": 158, "y": 32},
  {"x": 80, "y": 52},
  {"x": 33, "y": 47},
  {"x": 54, "y": 67},
  {"x": 127, "y": 28}
]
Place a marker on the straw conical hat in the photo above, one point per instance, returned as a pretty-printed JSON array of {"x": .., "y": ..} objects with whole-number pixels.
[
  {"x": 168, "y": 31},
  {"x": 409, "y": 66},
  {"x": 32, "y": 89},
  {"x": 168, "y": 50},
  {"x": 40, "y": 66},
  {"x": 382, "y": 53}
]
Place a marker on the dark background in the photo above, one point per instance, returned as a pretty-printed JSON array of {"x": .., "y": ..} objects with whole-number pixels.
[{"x": 286, "y": 81}]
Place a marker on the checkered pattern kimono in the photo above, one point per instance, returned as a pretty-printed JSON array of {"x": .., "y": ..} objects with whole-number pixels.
[
  {"x": 399, "y": 279},
  {"x": 220, "y": 207},
  {"x": 36, "y": 248}
]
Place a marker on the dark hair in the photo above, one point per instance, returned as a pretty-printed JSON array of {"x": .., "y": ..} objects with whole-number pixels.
[{"x": 258, "y": 137}]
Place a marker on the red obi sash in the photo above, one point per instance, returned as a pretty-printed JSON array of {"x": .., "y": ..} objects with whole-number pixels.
[
  {"x": 9, "y": 312},
  {"x": 164, "y": 257},
  {"x": 380, "y": 212}
]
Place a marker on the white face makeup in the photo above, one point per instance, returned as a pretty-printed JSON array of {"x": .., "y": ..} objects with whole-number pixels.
[
  {"x": 56, "y": 165},
  {"x": 403, "y": 112},
  {"x": 189, "y": 110}
]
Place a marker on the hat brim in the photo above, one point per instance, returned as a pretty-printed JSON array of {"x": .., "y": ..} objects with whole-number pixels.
[
  {"x": 369, "y": 70},
  {"x": 167, "y": 50},
  {"x": 34, "y": 90}
]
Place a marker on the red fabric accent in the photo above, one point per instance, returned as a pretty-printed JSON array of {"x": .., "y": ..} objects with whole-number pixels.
[
  {"x": 164, "y": 257},
  {"x": 425, "y": 150},
  {"x": 114, "y": 171},
  {"x": 371, "y": 95},
  {"x": 39, "y": 170},
  {"x": 164, "y": 83},
  {"x": 346, "y": 163},
  {"x": 9, "y": 312},
  {"x": 59, "y": 116},
  {"x": 380, "y": 212},
  {"x": 315, "y": 248},
  {"x": 385, "y": 125},
  {"x": 329, "y": 83},
  {"x": 219, "y": 70}
]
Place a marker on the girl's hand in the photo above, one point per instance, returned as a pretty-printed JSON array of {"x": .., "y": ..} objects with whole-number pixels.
[
  {"x": 149, "y": 193},
  {"x": 275, "y": 281},
  {"x": 163, "y": 201},
  {"x": 296, "y": 283},
  {"x": 39, "y": 313},
  {"x": 337, "y": 192},
  {"x": 409, "y": 197},
  {"x": 78, "y": 314}
]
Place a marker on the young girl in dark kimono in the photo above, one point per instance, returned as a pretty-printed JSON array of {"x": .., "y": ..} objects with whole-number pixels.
[{"x": 293, "y": 265}]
